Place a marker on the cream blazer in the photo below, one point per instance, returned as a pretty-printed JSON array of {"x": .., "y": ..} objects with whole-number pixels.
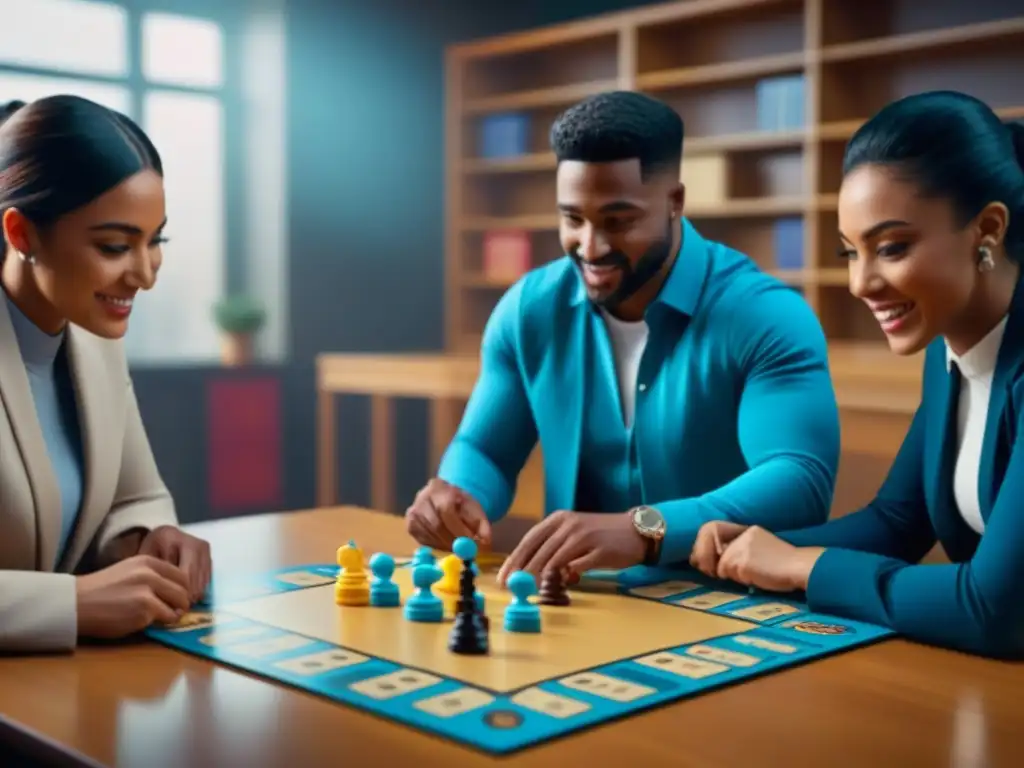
[{"x": 123, "y": 489}]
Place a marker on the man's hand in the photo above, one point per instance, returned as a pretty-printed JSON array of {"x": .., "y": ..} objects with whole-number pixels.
[
  {"x": 760, "y": 559},
  {"x": 441, "y": 513},
  {"x": 575, "y": 542},
  {"x": 711, "y": 541},
  {"x": 190, "y": 554}
]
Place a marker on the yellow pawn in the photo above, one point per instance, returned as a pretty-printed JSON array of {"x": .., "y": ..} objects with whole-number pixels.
[
  {"x": 451, "y": 570},
  {"x": 352, "y": 586}
]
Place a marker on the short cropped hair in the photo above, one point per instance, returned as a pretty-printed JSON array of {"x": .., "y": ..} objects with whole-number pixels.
[{"x": 621, "y": 125}]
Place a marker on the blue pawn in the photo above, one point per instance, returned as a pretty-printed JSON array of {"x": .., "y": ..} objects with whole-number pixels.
[
  {"x": 521, "y": 615},
  {"x": 423, "y": 605},
  {"x": 383, "y": 591},
  {"x": 423, "y": 556},
  {"x": 465, "y": 549}
]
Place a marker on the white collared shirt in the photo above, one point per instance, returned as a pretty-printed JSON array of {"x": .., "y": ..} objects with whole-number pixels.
[{"x": 976, "y": 368}]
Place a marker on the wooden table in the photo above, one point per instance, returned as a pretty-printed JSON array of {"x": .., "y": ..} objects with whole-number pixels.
[{"x": 140, "y": 705}]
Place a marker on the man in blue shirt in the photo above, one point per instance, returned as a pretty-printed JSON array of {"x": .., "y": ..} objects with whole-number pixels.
[{"x": 668, "y": 380}]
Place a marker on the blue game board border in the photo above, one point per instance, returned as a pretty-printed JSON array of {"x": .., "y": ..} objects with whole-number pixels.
[{"x": 533, "y": 728}]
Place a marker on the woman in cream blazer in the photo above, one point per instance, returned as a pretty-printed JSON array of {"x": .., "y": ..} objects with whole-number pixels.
[{"x": 89, "y": 543}]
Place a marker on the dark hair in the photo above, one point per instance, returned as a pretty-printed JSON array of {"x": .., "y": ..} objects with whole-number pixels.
[
  {"x": 9, "y": 109},
  {"x": 953, "y": 146},
  {"x": 61, "y": 152},
  {"x": 621, "y": 125}
]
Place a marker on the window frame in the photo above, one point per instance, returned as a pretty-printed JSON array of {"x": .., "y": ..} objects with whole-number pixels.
[{"x": 228, "y": 93}]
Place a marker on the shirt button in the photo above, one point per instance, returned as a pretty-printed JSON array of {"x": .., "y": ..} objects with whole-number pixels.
[{"x": 643, "y": 387}]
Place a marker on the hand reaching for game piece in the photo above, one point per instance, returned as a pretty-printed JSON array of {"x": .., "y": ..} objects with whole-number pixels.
[
  {"x": 760, "y": 559},
  {"x": 178, "y": 548},
  {"x": 129, "y": 596},
  {"x": 575, "y": 542},
  {"x": 441, "y": 513},
  {"x": 712, "y": 538}
]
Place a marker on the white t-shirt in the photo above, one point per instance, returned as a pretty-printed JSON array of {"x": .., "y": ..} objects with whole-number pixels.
[{"x": 628, "y": 339}]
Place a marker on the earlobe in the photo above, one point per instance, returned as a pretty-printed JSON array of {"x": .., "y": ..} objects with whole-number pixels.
[{"x": 678, "y": 200}]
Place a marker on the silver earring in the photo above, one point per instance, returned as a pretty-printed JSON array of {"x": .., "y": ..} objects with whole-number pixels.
[
  {"x": 985, "y": 261},
  {"x": 27, "y": 259}
]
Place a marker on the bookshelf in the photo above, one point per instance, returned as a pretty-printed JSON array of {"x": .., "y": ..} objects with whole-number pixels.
[{"x": 770, "y": 90}]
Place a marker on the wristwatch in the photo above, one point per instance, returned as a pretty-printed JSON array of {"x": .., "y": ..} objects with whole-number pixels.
[{"x": 650, "y": 524}]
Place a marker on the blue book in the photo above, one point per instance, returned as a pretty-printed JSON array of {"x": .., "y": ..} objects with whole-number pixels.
[
  {"x": 780, "y": 103},
  {"x": 504, "y": 135},
  {"x": 789, "y": 243}
]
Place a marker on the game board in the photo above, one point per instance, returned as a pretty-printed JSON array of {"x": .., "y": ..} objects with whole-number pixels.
[{"x": 630, "y": 640}]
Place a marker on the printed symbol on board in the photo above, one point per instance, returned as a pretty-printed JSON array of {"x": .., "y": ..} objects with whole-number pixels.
[
  {"x": 722, "y": 656},
  {"x": 193, "y": 620},
  {"x": 664, "y": 589},
  {"x": 324, "y": 661},
  {"x": 260, "y": 648},
  {"x": 764, "y": 611},
  {"x": 709, "y": 600},
  {"x": 549, "y": 703},
  {"x": 304, "y": 579},
  {"x": 455, "y": 702},
  {"x": 681, "y": 665},
  {"x": 606, "y": 687},
  {"x": 394, "y": 684},
  {"x": 503, "y": 719},
  {"x": 763, "y": 644},
  {"x": 817, "y": 628},
  {"x": 224, "y": 636}
]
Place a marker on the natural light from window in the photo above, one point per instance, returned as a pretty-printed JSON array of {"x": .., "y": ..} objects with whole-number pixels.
[{"x": 175, "y": 93}]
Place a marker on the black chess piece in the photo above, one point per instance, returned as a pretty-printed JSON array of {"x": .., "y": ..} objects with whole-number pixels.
[
  {"x": 552, "y": 589},
  {"x": 469, "y": 632}
]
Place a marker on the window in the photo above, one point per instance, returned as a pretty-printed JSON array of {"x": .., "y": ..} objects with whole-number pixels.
[
  {"x": 175, "y": 91},
  {"x": 169, "y": 72},
  {"x": 174, "y": 320},
  {"x": 178, "y": 50},
  {"x": 90, "y": 39}
]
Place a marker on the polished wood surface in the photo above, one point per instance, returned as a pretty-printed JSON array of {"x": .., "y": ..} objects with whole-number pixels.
[{"x": 145, "y": 706}]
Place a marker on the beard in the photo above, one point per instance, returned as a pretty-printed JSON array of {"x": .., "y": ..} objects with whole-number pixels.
[{"x": 633, "y": 277}]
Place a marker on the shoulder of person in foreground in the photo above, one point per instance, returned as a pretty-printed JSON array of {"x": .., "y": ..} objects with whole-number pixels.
[{"x": 141, "y": 501}]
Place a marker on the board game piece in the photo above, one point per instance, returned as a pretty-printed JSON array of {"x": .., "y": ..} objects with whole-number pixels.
[
  {"x": 423, "y": 556},
  {"x": 451, "y": 567},
  {"x": 383, "y": 591},
  {"x": 465, "y": 549},
  {"x": 424, "y": 605},
  {"x": 469, "y": 632},
  {"x": 552, "y": 589},
  {"x": 521, "y": 615},
  {"x": 352, "y": 587}
]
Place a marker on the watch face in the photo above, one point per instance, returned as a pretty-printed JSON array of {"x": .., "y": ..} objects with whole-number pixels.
[{"x": 649, "y": 519}]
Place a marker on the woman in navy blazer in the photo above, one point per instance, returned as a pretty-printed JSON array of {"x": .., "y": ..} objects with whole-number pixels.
[{"x": 931, "y": 213}]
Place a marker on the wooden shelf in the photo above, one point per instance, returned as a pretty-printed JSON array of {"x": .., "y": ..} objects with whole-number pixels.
[{"x": 716, "y": 62}]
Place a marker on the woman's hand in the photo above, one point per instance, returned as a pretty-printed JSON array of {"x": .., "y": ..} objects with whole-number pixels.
[
  {"x": 191, "y": 555},
  {"x": 710, "y": 543},
  {"x": 760, "y": 559}
]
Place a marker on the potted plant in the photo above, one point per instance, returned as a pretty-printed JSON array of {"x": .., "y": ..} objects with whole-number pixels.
[{"x": 239, "y": 318}]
